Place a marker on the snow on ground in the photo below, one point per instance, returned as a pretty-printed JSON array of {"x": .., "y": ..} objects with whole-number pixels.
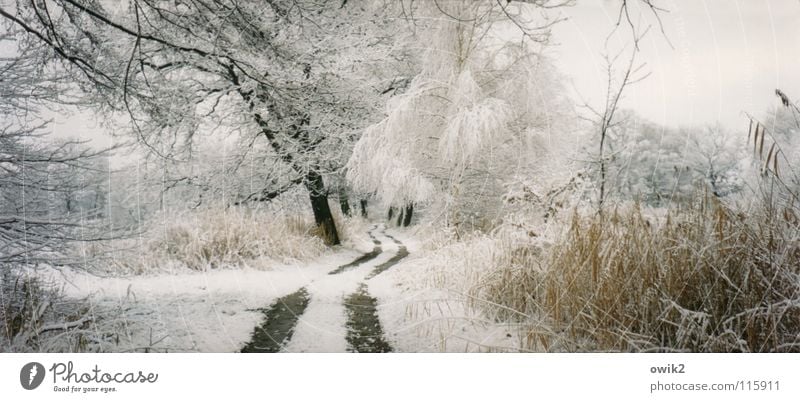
[
  {"x": 420, "y": 312},
  {"x": 211, "y": 311},
  {"x": 422, "y": 304}
]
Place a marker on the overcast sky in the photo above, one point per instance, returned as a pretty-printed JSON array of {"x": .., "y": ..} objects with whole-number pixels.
[{"x": 727, "y": 56}]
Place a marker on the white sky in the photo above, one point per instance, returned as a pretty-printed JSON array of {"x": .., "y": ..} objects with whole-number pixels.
[{"x": 728, "y": 56}]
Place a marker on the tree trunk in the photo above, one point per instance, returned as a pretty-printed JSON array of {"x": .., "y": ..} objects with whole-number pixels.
[
  {"x": 364, "y": 208},
  {"x": 400, "y": 217},
  {"x": 408, "y": 214},
  {"x": 322, "y": 211},
  {"x": 313, "y": 180},
  {"x": 343, "y": 203},
  {"x": 391, "y": 213}
]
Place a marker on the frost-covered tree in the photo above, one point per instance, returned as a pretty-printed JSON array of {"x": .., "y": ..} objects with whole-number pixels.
[
  {"x": 659, "y": 165},
  {"x": 715, "y": 156},
  {"x": 484, "y": 111},
  {"x": 649, "y": 162},
  {"x": 48, "y": 188},
  {"x": 289, "y": 73}
]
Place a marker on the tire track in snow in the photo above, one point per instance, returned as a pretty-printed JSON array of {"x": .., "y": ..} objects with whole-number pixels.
[
  {"x": 318, "y": 317},
  {"x": 402, "y": 252},
  {"x": 379, "y": 269},
  {"x": 364, "y": 332},
  {"x": 376, "y": 251},
  {"x": 281, "y": 318},
  {"x": 279, "y": 323},
  {"x": 323, "y": 327}
]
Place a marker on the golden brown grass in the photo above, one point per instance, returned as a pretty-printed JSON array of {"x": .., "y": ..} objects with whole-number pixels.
[{"x": 706, "y": 278}]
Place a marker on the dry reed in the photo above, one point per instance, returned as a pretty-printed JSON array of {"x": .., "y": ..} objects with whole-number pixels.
[{"x": 706, "y": 278}]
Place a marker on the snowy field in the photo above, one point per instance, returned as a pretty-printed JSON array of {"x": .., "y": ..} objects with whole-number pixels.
[{"x": 217, "y": 310}]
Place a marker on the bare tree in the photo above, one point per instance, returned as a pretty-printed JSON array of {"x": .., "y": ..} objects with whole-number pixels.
[{"x": 605, "y": 117}]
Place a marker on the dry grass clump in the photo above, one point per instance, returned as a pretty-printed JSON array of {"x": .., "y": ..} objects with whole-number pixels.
[
  {"x": 34, "y": 317},
  {"x": 705, "y": 279},
  {"x": 213, "y": 238},
  {"x": 508, "y": 292}
]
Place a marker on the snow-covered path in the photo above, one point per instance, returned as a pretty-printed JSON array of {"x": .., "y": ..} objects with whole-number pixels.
[
  {"x": 326, "y": 323},
  {"x": 367, "y": 297},
  {"x": 318, "y": 306}
]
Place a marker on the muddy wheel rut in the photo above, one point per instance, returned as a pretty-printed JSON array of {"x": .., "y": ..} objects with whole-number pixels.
[
  {"x": 376, "y": 251},
  {"x": 279, "y": 323},
  {"x": 379, "y": 269},
  {"x": 364, "y": 333}
]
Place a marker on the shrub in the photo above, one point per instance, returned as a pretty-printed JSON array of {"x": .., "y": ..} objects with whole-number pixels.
[{"x": 213, "y": 238}]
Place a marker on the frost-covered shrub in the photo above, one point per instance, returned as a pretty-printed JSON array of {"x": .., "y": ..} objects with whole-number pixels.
[{"x": 215, "y": 237}]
